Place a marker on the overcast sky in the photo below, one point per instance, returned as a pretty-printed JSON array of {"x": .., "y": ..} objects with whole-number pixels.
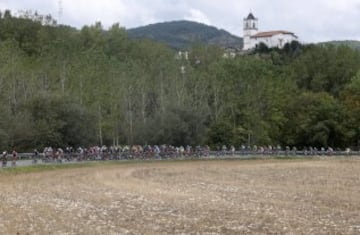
[{"x": 311, "y": 20}]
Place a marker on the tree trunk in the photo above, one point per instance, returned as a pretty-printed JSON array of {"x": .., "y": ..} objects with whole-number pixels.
[
  {"x": 130, "y": 116},
  {"x": 63, "y": 77},
  {"x": 100, "y": 127},
  {"x": 143, "y": 107}
]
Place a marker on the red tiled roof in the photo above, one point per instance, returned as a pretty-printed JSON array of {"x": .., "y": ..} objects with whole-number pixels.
[{"x": 271, "y": 33}]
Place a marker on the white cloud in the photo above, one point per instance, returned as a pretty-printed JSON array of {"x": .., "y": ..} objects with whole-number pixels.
[
  {"x": 44, "y": 7},
  {"x": 312, "y": 20},
  {"x": 87, "y": 12},
  {"x": 198, "y": 16}
]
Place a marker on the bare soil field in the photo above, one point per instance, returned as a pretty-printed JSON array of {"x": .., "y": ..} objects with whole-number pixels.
[{"x": 186, "y": 197}]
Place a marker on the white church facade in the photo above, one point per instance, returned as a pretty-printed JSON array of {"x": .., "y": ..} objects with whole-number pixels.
[{"x": 252, "y": 36}]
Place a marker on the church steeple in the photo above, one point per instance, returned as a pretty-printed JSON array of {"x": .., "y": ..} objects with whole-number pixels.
[
  {"x": 251, "y": 22},
  {"x": 250, "y": 29},
  {"x": 250, "y": 16}
]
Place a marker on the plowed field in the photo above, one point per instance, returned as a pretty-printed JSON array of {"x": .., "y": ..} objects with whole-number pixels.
[{"x": 186, "y": 197}]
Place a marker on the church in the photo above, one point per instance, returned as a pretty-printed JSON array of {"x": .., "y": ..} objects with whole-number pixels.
[{"x": 253, "y": 37}]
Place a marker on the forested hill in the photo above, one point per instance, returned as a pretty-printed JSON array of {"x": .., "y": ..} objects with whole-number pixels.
[
  {"x": 350, "y": 43},
  {"x": 182, "y": 34}
]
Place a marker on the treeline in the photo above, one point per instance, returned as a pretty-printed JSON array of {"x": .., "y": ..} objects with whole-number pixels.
[
  {"x": 350, "y": 43},
  {"x": 65, "y": 87}
]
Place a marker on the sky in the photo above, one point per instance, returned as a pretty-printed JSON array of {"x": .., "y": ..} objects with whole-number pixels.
[{"x": 311, "y": 20}]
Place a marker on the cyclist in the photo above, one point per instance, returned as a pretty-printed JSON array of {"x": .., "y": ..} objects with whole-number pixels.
[
  {"x": 14, "y": 158},
  {"x": 35, "y": 156},
  {"x": 4, "y": 159}
]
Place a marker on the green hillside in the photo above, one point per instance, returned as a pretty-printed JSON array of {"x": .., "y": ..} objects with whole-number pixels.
[
  {"x": 350, "y": 43},
  {"x": 181, "y": 34}
]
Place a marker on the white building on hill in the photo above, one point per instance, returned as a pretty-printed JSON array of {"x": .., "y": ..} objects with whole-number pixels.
[{"x": 253, "y": 37}]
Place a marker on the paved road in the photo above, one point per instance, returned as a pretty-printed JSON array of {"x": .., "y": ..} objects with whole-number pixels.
[{"x": 20, "y": 163}]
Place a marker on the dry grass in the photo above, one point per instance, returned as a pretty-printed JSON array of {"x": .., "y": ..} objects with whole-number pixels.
[{"x": 203, "y": 197}]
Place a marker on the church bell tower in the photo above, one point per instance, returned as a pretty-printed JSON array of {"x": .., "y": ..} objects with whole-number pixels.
[{"x": 250, "y": 29}]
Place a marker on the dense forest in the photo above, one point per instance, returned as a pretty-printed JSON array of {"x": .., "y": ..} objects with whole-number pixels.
[{"x": 60, "y": 86}]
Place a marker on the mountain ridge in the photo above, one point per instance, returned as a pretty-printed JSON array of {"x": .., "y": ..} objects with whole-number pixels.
[{"x": 180, "y": 34}]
